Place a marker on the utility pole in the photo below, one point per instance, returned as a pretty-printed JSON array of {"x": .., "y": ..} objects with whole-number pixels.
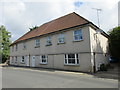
[{"x": 97, "y": 9}]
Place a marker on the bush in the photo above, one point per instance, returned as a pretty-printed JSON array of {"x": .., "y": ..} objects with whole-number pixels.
[{"x": 103, "y": 67}]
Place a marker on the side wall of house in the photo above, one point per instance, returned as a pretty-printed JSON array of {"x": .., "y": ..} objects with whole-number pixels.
[
  {"x": 99, "y": 45},
  {"x": 57, "y": 51}
]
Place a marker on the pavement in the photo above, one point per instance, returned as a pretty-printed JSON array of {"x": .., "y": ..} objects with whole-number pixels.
[
  {"x": 18, "y": 77},
  {"x": 111, "y": 73}
]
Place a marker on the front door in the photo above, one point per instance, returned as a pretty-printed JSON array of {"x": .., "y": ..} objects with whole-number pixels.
[
  {"x": 27, "y": 61},
  {"x": 33, "y": 61}
]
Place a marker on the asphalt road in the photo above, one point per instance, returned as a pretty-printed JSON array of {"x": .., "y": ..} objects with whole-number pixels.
[{"x": 27, "y": 78}]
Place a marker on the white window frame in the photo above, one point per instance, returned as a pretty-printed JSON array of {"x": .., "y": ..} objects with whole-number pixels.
[
  {"x": 12, "y": 60},
  {"x": 12, "y": 48},
  {"x": 16, "y": 59},
  {"x": 37, "y": 42},
  {"x": 61, "y": 38},
  {"x": 49, "y": 41},
  {"x": 16, "y": 47},
  {"x": 41, "y": 59},
  {"x": 23, "y": 60},
  {"x": 24, "y": 45},
  {"x": 79, "y": 35},
  {"x": 77, "y": 61}
]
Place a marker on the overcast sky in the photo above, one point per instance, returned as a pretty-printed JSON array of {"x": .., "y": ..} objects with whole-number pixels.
[{"x": 19, "y": 15}]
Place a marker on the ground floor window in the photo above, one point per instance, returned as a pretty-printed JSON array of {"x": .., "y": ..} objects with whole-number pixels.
[
  {"x": 12, "y": 59},
  {"x": 15, "y": 59},
  {"x": 23, "y": 59},
  {"x": 43, "y": 59},
  {"x": 71, "y": 59}
]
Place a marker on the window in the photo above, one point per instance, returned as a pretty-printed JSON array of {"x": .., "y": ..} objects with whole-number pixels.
[
  {"x": 37, "y": 42},
  {"x": 71, "y": 59},
  {"x": 43, "y": 59},
  {"x": 16, "y": 59},
  {"x": 12, "y": 48},
  {"x": 12, "y": 59},
  {"x": 61, "y": 38},
  {"x": 78, "y": 35},
  {"x": 49, "y": 41},
  {"x": 23, "y": 59},
  {"x": 24, "y": 45},
  {"x": 16, "y": 47}
]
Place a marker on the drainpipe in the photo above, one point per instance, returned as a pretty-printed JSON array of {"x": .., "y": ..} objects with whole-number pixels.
[
  {"x": 29, "y": 60},
  {"x": 94, "y": 67}
]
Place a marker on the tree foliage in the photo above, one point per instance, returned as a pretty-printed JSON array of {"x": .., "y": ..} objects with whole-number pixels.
[
  {"x": 33, "y": 27},
  {"x": 4, "y": 43},
  {"x": 114, "y": 42}
]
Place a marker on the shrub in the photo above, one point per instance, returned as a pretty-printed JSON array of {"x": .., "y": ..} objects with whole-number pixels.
[{"x": 103, "y": 67}]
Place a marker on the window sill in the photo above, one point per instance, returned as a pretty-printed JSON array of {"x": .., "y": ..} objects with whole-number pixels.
[
  {"x": 43, "y": 63},
  {"x": 71, "y": 64},
  {"x": 61, "y": 43},
  {"x": 24, "y": 48},
  {"x": 37, "y": 46},
  {"x": 77, "y": 40},
  {"x": 49, "y": 45},
  {"x": 22, "y": 62}
]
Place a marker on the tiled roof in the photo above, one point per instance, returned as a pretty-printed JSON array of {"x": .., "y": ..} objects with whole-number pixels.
[{"x": 61, "y": 23}]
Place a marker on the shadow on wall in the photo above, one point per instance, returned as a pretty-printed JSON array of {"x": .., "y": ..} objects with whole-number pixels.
[{"x": 101, "y": 52}]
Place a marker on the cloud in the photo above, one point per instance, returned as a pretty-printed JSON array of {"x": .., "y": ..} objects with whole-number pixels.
[{"x": 19, "y": 15}]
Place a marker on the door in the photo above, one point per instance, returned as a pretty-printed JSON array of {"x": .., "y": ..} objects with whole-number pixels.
[
  {"x": 27, "y": 61},
  {"x": 33, "y": 61}
]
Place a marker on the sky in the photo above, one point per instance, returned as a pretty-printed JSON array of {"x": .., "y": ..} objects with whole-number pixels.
[{"x": 19, "y": 15}]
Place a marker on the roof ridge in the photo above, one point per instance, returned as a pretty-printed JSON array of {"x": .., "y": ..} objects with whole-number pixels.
[{"x": 60, "y": 23}]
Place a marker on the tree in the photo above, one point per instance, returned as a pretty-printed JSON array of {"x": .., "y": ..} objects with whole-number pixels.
[
  {"x": 114, "y": 42},
  {"x": 4, "y": 43}
]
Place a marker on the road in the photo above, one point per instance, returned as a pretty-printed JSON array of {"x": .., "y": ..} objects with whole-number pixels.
[{"x": 27, "y": 78}]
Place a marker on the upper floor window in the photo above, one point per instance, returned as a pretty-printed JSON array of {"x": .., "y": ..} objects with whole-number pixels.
[
  {"x": 61, "y": 38},
  {"x": 16, "y": 47},
  {"x": 71, "y": 59},
  {"x": 49, "y": 41},
  {"x": 12, "y": 48},
  {"x": 12, "y": 59},
  {"x": 24, "y": 45},
  {"x": 78, "y": 35},
  {"x": 43, "y": 59},
  {"x": 37, "y": 42}
]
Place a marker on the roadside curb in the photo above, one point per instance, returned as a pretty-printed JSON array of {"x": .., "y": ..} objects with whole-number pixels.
[
  {"x": 48, "y": 70},
  {"x": 56, "y": 71}
]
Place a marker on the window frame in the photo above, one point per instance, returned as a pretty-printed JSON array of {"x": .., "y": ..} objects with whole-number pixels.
[
  {"x": 66, "y": 60},
  {"x": 12, "y": 48},
  {"x": 23, "y": 60},
  {"x": 24, "y": 46},
  {"x": 46, "y": 59},
  {"x": 80, "y": 35},
  {"x": 48, "y": 41},
  {"x": 37, "y": 41},
  {"x": 16, "y": 59},
  {"x": 61, "y": 36},
  {"x": 12, "y": 60},
  {"x": 16, "y": 48}
]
